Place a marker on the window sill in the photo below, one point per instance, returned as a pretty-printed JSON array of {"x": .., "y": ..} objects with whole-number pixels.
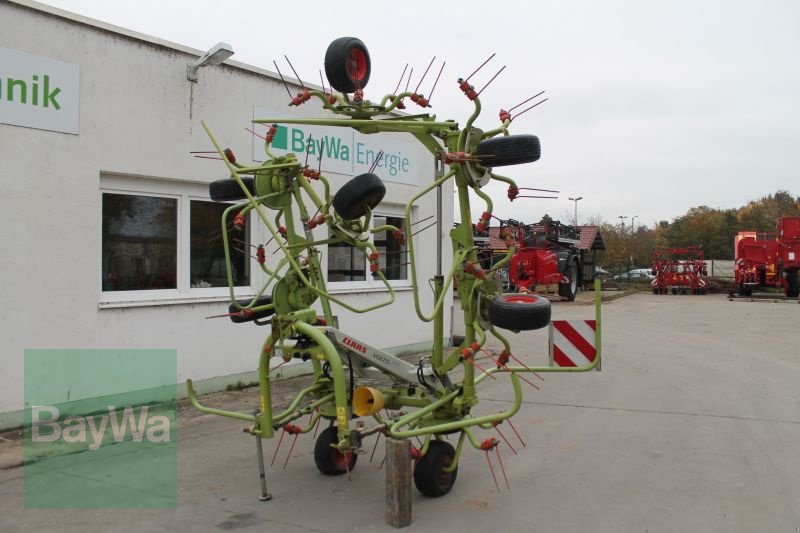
[{"x": 171, "y": 299}]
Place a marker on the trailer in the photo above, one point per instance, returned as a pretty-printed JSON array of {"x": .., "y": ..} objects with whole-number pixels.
[
  {"x": 679, "y": 270},
  {"x": 768, "y": 259},
  {"x": 547, "y": 254}
]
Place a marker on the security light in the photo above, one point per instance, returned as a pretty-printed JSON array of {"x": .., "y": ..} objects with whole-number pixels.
[{"x": 219, "y": 53}]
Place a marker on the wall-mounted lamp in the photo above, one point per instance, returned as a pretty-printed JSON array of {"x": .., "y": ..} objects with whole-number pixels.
[{"x": 219, "y": 53}]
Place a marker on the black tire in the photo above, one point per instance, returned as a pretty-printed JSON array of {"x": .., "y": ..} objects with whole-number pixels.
[
  {"x": 745, "y": 290},
  {"x": 328, "y": 459},
  {"x": 358, "y": 196},
  {"x": 227, "y": 189},
  {"x": 569, "y": 290},
  {"x": 792, "y": 288},
  {"x": 429, "y": 476},
  {"x": 509, "y": 150},
  {"x": 238, "y": 319},
  {"x": 519, "y": 312},
  {"x": 347, "y": 64}
]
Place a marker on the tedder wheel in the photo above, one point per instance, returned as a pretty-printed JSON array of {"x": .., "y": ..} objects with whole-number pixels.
[
  {"x": 429, "y": 475},
  {"x": 227, "y": 189},
  {"x": 347, "y": 64},
  {"x": 329, "y": 460},
  {"x": 358, "y": 196},
  {"x": 569, "y": 289},
  {"x": 509, "y": 150},
  {"x": 519, "y": 312},
  {"x": 792, "y": 289}
]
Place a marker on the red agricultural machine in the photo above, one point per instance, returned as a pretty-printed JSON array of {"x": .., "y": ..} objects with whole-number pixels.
[
  {"x": 548, "y": 254},
  {"x": 679, "y": 270},
  {"x": 769, "y": 259}
]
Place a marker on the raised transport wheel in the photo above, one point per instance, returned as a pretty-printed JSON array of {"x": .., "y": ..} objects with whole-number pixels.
[
  {"x": 429, "y": 475},
  {"x": 509, "y": 150},
  {"x": 347, "y": 64},
  {"x": 358, "y": 196},
  {"x": 569, "y": 290},
  {"x": 227, "y": 189},
  {"x": 519, "y": 312},
  {"x": 328, "y": 459}
]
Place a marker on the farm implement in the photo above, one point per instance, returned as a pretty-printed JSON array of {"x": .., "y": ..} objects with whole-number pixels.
[
  {"x": 430, "y": 399},
  {"x": 769, "y": 259},
  {"x": 679, "y": 270}
]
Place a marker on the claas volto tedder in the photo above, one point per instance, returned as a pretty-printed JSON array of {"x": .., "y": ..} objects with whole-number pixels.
[
  {"x": 768, "y": 259},
  {"x": 434, "y": 397},
  {"x": 679, "y": 270}
]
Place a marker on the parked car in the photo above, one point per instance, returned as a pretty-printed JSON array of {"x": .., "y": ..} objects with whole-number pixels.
[{"x": 637, "y": 274}]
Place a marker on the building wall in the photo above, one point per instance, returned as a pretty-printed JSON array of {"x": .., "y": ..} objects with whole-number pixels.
[{"x": 139, "y": 119}]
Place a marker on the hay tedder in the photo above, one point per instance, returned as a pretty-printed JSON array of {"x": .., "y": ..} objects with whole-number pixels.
[
  {"x": 435, "y": 397},
  {"x": 679, "y": 270}
]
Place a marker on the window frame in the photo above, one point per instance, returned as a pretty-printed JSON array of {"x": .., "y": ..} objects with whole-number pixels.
[
  {"x": 373, "y": 284},
  {"x": 184, "y": 192}
]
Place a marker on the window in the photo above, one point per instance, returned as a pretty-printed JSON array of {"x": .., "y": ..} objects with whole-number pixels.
[
  {"x": 140, "y": 242},
  {"x": 207, "y": 256},
  {"x": 348, "y": 264},
  {"x": 162, "y": 242}
]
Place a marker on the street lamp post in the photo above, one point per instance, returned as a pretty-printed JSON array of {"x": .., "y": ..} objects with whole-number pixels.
[
  {"x": 622, "y": 223},
  {"x": 576, "y": 207},
  {"x": 633, "y": 218}
]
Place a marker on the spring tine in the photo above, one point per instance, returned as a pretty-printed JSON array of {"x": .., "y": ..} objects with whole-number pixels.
[
  {"x": 322, "y": 82},
  {"x": 545, "y": 197},
  {"x": 317, "y": 427},
  {"x": 510, "y": 423},
  {"x": 256, "y": 134},
  {"x": 436, "y": 82},
  {"x": 476, "y": 365},
  {"x": 504, "y": 366},
  {"x": 526, "y": 367},
  {"x": 403, "y": 75},
  {"x": 278, "y": 447},
  {"x": 423, "y": 229},
  {"x": 480, "y": 67},
  {"x": 204, "y": 152},
  {"x": 382, "y": 461},
  {"x": 376, "y": 161},
  {"x": 526, "y": 101},
  {"x": 295, "y": 72},
  {"x": 207, "y": 157},
  {"x": 288, "y": 455},
  {"x": 491, "y": 469},
  {"x": 505, "y": 439},
  {"x": 283, "y": 80},
  {"x": 377, "y": 440},
  {"x": 423, "y": 220},
  {"x": 491, "y": 80},
  {"x": 540, "y": 190},
  {"x": 277, "y": 367},
  {"x": 409, "y": 78},
  {"x": 500, "y": 460},
  {"x": 425, "y": 74},
  {"x": 531, "y": 107}
]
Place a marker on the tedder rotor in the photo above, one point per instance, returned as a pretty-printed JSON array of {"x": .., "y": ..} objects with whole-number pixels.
[{"x": 428, "y": 400}]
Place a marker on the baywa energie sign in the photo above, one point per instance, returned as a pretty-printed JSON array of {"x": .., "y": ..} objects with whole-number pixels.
[
  {"x": 38, "y": 92},
  {"x": 344, "y": 150}
]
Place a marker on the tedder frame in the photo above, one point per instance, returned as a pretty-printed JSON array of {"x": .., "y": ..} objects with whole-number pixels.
[{"x": 435, "y": 397}]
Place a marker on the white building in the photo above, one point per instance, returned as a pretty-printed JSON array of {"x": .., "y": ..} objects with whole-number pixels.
[{"x": 108, "y": 236}]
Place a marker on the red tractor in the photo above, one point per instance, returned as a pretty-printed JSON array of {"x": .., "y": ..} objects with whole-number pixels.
[
  {"x": 548, "y": 254},
  {"x": 679, "y": 270},
  {"x": 769, "y": 259}
]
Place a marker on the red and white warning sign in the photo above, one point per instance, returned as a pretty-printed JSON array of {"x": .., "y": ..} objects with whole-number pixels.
[{"x": 573, "y": 343}]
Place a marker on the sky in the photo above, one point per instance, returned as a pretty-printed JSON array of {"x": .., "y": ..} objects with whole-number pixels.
[{"x": 654, "y": 106}]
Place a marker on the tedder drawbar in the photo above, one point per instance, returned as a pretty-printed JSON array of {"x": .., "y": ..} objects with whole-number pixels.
[{"x": 429, "y": 400}]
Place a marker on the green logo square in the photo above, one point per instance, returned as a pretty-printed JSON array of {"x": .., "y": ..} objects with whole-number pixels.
[{"x": 100, "y": 429}]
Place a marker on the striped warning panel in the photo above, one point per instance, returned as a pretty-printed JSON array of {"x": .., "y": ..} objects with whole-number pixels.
[{"x": 573, "y": 342}]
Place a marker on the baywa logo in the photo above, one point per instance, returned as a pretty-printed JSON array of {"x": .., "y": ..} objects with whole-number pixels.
[
  {"x": 95, "y": 430},
  {"x": 101, "y": 429},
  {"x": 339, "y": 149}
]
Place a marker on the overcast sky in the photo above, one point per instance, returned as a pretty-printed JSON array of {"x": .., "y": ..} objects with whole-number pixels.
[{"x": 655, "y": 106}]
